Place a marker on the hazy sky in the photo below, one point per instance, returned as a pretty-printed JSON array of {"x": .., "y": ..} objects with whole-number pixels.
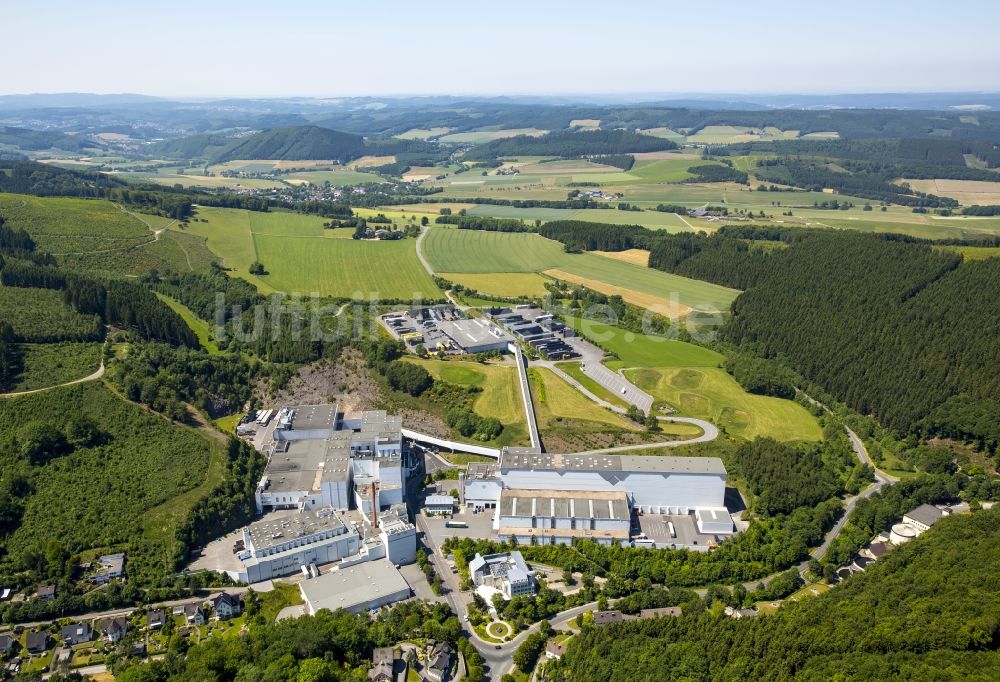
[{"x": 327, "y": 47}]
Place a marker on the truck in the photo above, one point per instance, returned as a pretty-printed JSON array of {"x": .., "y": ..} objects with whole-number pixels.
[{"x": 455, "y": 524}]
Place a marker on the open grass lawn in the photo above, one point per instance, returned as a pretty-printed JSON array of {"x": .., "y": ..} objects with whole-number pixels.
[
  {"x": 197, "y": 325},
  {"x": 710, "y": 393},
  {"x": 501, "y": 393},
  {"x": 640, "y": 350},
  {"x": 451, "y": 250},
  {"x": 500, "y": 283},
  {"x": 51, "y": 364},
  {"x": 301, "y": 256},
  {"x": 559, "y": 405},
  {"x": 130, "y": 490}
]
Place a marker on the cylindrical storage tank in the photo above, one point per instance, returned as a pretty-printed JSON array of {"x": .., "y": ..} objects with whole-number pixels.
[{"x": 902, "y": 532}]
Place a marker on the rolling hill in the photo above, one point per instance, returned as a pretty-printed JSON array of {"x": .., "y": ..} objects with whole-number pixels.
[{"x": 296, "y": 143}]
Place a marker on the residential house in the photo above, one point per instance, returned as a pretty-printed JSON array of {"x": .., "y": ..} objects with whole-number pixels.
[
  {"x": 37, "y": 642},
  {"x": 45, "y": 593},
  {"x": 226, "y": 605},
  {"x": 555, "y": 650},
  {"x": 607, "y": 617},
  {"x": 737, "y": 614},
  {"x": 114, "y": 629},
  {"x": 439, "y": 659},
  {"x": 194, "y": 615},
  {"x": 6, "y": 643},
  {"x": 77, "y": 633},
  {"x": 383, "y": 665},
  {"x": 111, "y": 567},
  {"x": 155, "y": 619}
]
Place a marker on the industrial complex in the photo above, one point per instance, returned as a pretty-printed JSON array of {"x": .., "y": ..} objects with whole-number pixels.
[{"x": 551, "y": 498}]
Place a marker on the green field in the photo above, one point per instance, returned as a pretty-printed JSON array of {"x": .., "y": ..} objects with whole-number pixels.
[
  {"x": 501, "y": 393},
  {"x": 197, "y": 325},
  {"x": 59, "y": 225},
  {"x": 49, "y": 364},
  {"x": 640, "y": 350},
  {"x": 422, "y": 133},
  {"x": 488, "y": 134},
  {"x": 573, "y": 369},
  {"x": 557, "y": 404},
  {"x": 474, "y": 251},
  {"x": 711, "y": 393},
  {"x": 500, "y": 283},
  {"x": 975, "y": 252},
  {"x": 334, "y": 177},
  {"x": 300, "y": 256}
]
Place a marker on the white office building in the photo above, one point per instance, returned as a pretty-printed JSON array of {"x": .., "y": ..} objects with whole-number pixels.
[{"x": 508, "y": 574}]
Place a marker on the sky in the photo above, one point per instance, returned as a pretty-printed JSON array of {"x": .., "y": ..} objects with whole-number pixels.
[{"x": 219, "y": 48}]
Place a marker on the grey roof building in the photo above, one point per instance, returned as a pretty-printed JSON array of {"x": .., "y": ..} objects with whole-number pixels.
[
  {"x": 923, "y": 517},
  {"x": 76, "y": 633},
  {"x": 507, "y": 573},
  {"x": 368, "y": 585}
]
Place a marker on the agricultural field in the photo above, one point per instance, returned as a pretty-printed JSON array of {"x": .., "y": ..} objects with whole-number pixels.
[
  {"x": 974, "y": 252},
  {"x": 966, "y": 192},
  {"x": 301, "y": 256},
  {"x": 422, "y": 133},
  {"x": 484, "y": 135},
  {"x": 207, "y": 181},
  {"x": 504, "y": 284},
  {"x": 638, "y": 257},
  {"x": 41, "y": 365},
  {"x": 337, "y": 176},
  {"x": 40, "y": 315},
  {"x": 451, "y": 250},
  {"x": 711, "y": 393}
]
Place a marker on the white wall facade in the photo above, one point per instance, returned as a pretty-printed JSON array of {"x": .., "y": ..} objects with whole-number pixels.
[
  {"x": 482, "y": 492},
  {"x": 653, "y": 493}
]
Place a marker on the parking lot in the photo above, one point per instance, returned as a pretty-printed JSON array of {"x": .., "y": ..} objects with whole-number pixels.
[{"x": 618, "y": 385}]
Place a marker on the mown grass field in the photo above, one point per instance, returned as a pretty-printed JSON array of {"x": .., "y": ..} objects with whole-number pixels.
[
  {"x": 710, "y": 393},
  {"x": 301, "y": 256},
  {"x": 573, "y": 369},
  {"x": 200, "y": 328},
  {"x": 559, "y": 404},
  {"x": 500, "y": 283},
  {"x": 501, "y": 393},
  {"x": 641, "y": 350},
  {"x": 422, "y": 133},
  {"x": 50, "y": 364},
  {"x": 474, "y": 251}
]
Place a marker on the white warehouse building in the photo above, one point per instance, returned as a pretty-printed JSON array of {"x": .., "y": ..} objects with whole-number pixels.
[
  {"x": 558, "y": 517},
  {"x": 654, "y": 485},
  {"x": 277, "y": 547}
]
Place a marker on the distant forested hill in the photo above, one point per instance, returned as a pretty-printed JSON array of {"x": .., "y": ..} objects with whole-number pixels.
[
  {"x": 927, "y": 611},
  {"x": 38, "y": 140},
  {"x": 572, "y": 144},
  {"x": 191, "y": 147},
  {"x": 300, "y": 142}
]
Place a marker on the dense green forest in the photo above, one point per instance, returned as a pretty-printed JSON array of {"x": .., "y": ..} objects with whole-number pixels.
[
  {"x": 928, "y": 610},
  {"x": 571, "y": 145},
  {"x": 889, "y": 325}
]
